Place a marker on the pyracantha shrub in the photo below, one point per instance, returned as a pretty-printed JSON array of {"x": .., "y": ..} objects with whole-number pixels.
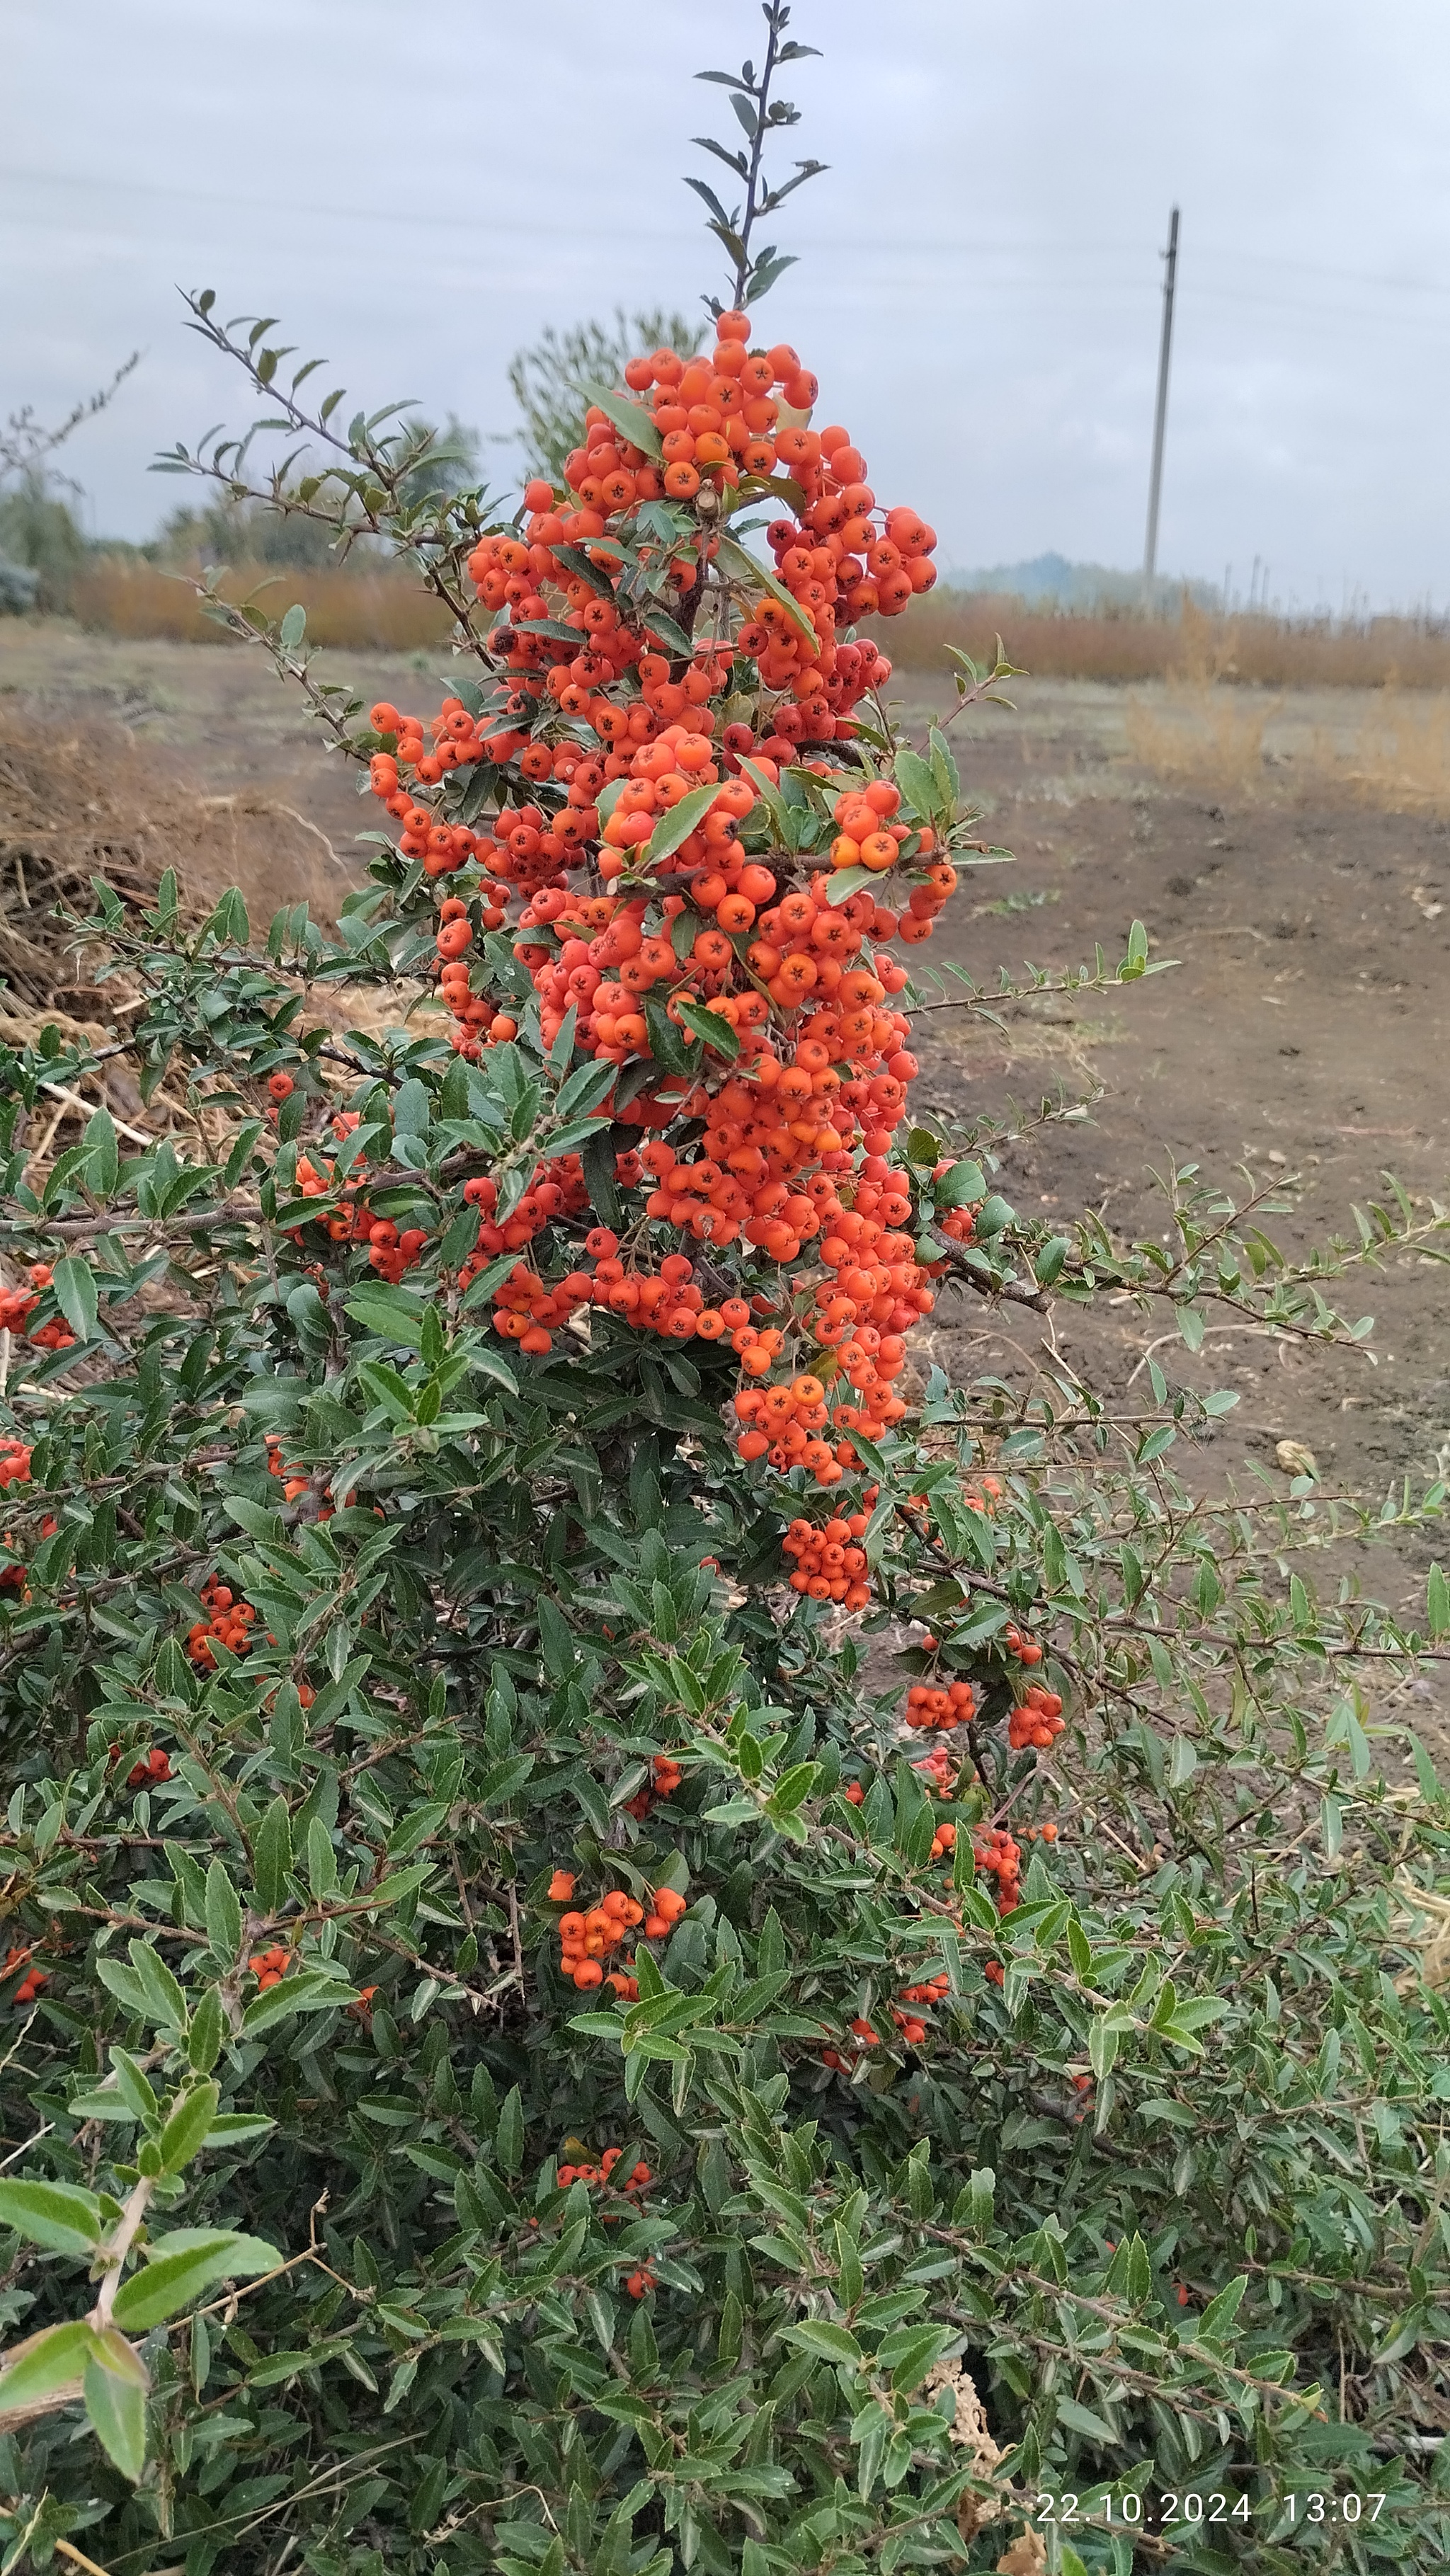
[{"x": 635, "y": 1939}]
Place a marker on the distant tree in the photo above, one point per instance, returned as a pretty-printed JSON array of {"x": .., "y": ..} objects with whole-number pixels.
[
  {"x": 551, "y": 381},
  {"x": 41, "y": 544},
  {"x": 231, "y": 532}
]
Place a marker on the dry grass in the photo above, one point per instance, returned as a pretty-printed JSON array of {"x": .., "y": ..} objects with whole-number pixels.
[
  {"x": 97, "y": 804},
  {"x": 385, "y": 611},
  {"x": 74, "y": 806},
  {"x": 1397, "y": 757},
  {"x": 369, "y": 611},
  {"x": 1271, "y": 652}
]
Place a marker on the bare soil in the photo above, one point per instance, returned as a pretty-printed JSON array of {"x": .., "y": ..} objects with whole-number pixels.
[{"x": 1299, "y": 1040}]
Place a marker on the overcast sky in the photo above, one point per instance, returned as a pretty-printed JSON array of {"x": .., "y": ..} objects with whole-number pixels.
[{"x": 415, "y": 192}]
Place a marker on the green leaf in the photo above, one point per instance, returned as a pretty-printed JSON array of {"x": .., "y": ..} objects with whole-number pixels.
[
  {"x": 963, "y": 1186},
  {"x": 944, "y": 767},
  {"x": 169, "y": 2282},
  {"x": 321, "y": 1860},
  {"x": 708, "y": 1025},
  {"x": 584, "y": 1089},
  {"x": 678, "y": 824},
  {"x": 208, "y": 2029},
  {"x": 75, "y": 1287},
  {"x": 293, "y": 628},
  {"x": 843, "y": 881},
  {"x": 629, "y": 417},
  {"x": 272, "y": 1855},
  {"x": 307, "y": 1991},
  {"x": 509, "y": 2135},
  {"x": 1437, "y": 1595},
  {"x": 1218, "y": 2317},
  {"x": 44, "y": 2364},
  {"x": 185, "y": 2132},
  {"x": 487, "y": 1362},
  {"x": 793, "y": 1787},
  {"x": 223, "y": 1914},
  {"x": 165, "y": 2002},
  {"x": 827, "y": 2342},
  {"x": 116, "y": 2410},
  {"x": 916, "y": 2356},
  {"x": 102, "y": 1154},
  {"x": 917, "y": 781},
  {"x": 57, "y": 2215},
  {"x": 666, "y": 632},
  {"x": 388, "y": 1311},
  {"x": 1103, "y": 2045},
  {"x": 1082, "y": 2419}
]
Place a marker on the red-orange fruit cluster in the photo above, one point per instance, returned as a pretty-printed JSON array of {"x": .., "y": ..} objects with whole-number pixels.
[
  {"x": 664, "y": 1780},
  {"x": 639, "y": 2176},
  {"x": 1036, "y": 1720},
  {"x": 31, "y": 1983},
  {"x": 928, "y": 1707},
  {"x": 269, "y": 1967},
  {"x": 153, "y": 1766},
  {"x": 227, "y": 1620},
  {"x": 390, "y": 1252},
  {"x": 14, "y": 1462},
  {"x": 17, "y": 1305},
  {"x": 586, "y": 1940},
  {"x": 995, "y": 1852},
  {"x": 830, "y": 1563}
]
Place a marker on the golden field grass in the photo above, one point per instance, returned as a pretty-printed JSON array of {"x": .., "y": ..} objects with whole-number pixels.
[
  {"x": 1270, "y": 652},
  {"x": 368, "y": 609},
  {"x": 1393, "y": 753},
  {"x": 371, "y": 611}
]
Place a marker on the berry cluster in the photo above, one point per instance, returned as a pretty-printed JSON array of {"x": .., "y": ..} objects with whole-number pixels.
[
  {"x": 664, "y": 1780},
  {"x": 152, "y": 1767},
  {"x": 31, "y": 1983},
  {"x": 830, "y": 1562},
  {"x": 1036, "y": 1720},
  {"x": 913, "y": 2029},
  {"x": 927, "y": 1707},
  {"x": 639, "y": 2180},
  {"x": 390, "y": 1253},
  {"x": 14, "y": 1462},
  {"x": 228, "y": 1623},
  {"x": 17, "y": 1305},
  {"x": 939, "y": 1768},
  {"x": 933, "y": 1990},
  {"x": 585, "y": 1940},
  {"x": 269, "y": 1967},
  {"x": 1001, "y": 1857},
  {"x": 957, "y": 1224}
]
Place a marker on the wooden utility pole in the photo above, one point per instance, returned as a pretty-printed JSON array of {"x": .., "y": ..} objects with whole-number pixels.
[{"x": 1160, "y": 412}]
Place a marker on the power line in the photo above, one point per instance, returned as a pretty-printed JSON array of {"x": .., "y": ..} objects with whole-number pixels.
[{"x": 973, "y": 250}]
